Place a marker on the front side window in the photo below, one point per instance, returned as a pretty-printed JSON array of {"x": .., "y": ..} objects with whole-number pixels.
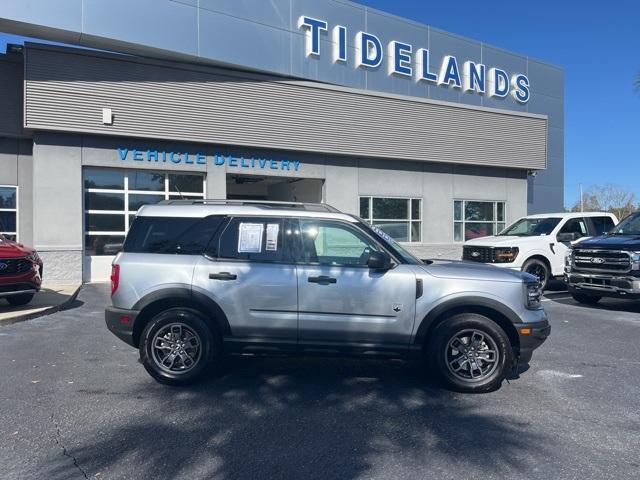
[
  {"x": 576, "y": 226},
  {"x": 602, "y": 225},
  {"x": 112, "y": 197},
  {"x": 331, "y": 243},
  {"x": 475, "y": 219},
  {"x": 9, "y": 212},
  {"x": 400, "y": 218}
]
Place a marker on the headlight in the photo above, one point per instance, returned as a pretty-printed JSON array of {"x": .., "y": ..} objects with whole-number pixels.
[
  {"x": 33, "y": 256},
  {"x": 506, "y": 255},
  {"x": 635, "y": 257},
  {"x": 533, "y": 296}
]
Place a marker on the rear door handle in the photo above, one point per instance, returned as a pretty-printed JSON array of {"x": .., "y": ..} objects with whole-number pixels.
[
  {"x": 225, "y": 276},
  {"x": 323, "y": 280}
]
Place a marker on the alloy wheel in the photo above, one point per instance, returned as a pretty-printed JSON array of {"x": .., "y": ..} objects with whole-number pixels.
[
  {"x": 472, "y": 355},
  {"x": 176, "y": 348}
]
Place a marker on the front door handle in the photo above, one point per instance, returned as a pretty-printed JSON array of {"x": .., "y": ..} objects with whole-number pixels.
[
  {"x": 225, "y": 276},
  {"x": 322, "y": 280}
]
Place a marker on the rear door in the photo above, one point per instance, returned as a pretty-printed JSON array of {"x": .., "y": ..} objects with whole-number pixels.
[
  {"x": 340, "y": 299},
  {"x": 248, "y": 272}
]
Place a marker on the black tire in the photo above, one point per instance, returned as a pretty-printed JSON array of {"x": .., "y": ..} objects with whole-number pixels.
[
  {"x": 586, "y": 299},
  {"x": 19, "y": 300},
  {"x": 440, "y": 354},
  {"x": 540, "y": 269},
  {"x": 192, "y": 325}
]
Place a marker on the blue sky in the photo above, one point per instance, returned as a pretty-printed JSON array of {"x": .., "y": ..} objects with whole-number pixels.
[{"x": 599, "y": 47}]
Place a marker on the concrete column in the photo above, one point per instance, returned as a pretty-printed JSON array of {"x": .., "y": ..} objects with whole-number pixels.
[{"x": 57, "y": 206}]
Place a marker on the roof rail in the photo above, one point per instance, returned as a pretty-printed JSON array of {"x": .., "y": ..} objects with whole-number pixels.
[{"x": 312, "y": 207}]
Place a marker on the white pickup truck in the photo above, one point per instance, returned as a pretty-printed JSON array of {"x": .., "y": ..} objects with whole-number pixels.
[{"x": 537, "y": 244}]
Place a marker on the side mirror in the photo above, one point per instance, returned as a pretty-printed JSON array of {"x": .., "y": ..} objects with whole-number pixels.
[
  {"x": 379, "y": 261},
  {"x": 567, "y": 237}
]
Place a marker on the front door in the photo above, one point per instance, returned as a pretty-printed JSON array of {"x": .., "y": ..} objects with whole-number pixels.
[
  {"x": 249, "y": 274},
  {"x": 341, "y": 300}
]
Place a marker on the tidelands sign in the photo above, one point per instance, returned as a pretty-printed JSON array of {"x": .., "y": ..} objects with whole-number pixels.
[{"x": 405, "y": 60}]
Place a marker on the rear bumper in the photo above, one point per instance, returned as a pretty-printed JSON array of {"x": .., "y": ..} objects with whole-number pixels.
[
  {"x": 539, "y": 332},
  {"x": 603, "y": 285},
  {"x": 120, "y": 322}
]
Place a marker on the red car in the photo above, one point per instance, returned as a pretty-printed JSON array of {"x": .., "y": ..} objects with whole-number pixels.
[{"x": 20, "y": 272}]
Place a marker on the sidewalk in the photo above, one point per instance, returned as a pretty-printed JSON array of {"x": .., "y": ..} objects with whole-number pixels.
[{"x": 50, "y": 299}]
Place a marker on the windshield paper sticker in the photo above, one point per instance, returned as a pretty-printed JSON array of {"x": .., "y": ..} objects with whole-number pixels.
[
  {"x": 250, "y": 238},
  {"x": 272, "y": 237}
]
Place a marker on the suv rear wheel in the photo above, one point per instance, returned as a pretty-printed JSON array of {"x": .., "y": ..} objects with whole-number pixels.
[
  {"x": 177, "y": 346},
  {"x": 586, "y": 299},
  {"x": 471, "y": 353}
]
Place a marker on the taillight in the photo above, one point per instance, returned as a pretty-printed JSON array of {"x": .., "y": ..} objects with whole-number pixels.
[{"x": 115, "y": 278}]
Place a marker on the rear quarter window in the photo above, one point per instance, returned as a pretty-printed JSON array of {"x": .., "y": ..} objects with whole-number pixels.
[{"x": 172, "y": 235}]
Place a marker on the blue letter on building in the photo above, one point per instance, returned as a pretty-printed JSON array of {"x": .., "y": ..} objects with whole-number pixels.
[
  {"x": 368, "y": 50},
  {"x": 422, "y": 66},
  {"x": 498, "y": 83},
  {"x": 313, "y": 27},
  {"x": 449, "y": 72},
  {"x": 520, "y": 84},
  {"x": 400, "y": 59}
]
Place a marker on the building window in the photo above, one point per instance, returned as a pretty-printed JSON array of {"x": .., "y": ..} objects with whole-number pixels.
[
  {"x": 112, "y": 197},
  {"x": 473, "y": 219},
  {"x": 9, "y": 212},
  {"x": 400, "y": 218}
]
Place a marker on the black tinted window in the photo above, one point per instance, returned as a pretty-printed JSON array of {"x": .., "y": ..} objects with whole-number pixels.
[
  {"x": 601, "y": 225},
  {"x": 185, "y": 236},
  {"x": 258, "y": 239}
]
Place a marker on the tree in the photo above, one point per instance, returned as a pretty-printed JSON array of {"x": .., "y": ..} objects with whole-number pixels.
[{"x": 616, "y": 199}]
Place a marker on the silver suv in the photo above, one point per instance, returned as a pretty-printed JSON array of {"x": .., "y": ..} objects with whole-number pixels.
[{"x": 197, "y": 279}]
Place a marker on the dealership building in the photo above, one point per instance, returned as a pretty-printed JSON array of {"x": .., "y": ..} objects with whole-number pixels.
[{"x": 432, "y": 136}]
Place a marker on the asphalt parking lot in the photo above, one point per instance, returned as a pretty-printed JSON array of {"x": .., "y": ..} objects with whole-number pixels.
[{"x": 77, "y": 404}]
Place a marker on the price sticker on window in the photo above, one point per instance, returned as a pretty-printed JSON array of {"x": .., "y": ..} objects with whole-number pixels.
[
  {"x": 250, "y": 237},
  {"x": 273, "y": 229}
]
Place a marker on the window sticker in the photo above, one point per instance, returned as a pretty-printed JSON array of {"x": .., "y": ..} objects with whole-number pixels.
[
  {"x": 250, "y": 238},
  {"x": 272, "y": 237}
]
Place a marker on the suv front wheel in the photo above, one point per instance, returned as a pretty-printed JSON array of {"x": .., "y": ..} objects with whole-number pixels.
[
  {"x": 177, "y": 346},
  {"x": 471, "y": 353}
]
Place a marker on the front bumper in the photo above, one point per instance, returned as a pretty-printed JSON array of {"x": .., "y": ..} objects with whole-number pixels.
[
  {"x": 120, "y": 322},
  {"x": 531, "y": 336},
  {"x": 604, "y": 285}
]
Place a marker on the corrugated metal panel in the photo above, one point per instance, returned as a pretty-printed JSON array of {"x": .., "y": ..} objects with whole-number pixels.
[
  {"x": 66, "y": 90},
  {"x": 11, "y": 91}
]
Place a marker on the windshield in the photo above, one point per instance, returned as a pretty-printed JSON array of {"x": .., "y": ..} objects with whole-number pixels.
[
  {"x": 388, "y": 241},
  {"x": 628, "y": 226},
  {"x": 531, "y": 227}
]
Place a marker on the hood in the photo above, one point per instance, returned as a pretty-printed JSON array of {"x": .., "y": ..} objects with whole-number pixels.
[
  {"x": 612, "y": 242},
  {"x": 11, "y": 249},
  {"x": 503, "y": 241},
  {"x": 475, "y": 271}
]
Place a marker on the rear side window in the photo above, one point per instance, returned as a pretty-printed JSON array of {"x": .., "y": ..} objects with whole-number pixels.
[
  {"x": 256, "y": 239},
  {"x": 601, "y": 225},
  {"x": 171, "y": 235}
]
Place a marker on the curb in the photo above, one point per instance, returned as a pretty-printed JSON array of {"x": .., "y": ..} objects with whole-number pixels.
[{"x": 66, "y": 305}]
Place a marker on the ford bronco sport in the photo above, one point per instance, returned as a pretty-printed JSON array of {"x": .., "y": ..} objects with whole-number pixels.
[{"x": 197, "y": 279}]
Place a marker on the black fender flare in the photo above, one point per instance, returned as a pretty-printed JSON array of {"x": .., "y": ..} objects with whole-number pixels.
[
  {"x": 481, "y": 305},
  {"x": 179, "y": 297}
]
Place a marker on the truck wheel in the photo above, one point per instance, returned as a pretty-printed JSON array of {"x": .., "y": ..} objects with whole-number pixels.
[
  {"x": 586, "y": 299},
  {"x": 471, "y": 353},
  {"x": 19, "y": 300},
  {"x": 177, "y": 346},
  {"x": 538, "y": 269}
]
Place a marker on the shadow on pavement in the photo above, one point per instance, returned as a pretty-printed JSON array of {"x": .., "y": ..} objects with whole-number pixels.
[{"x": 306, "y": 418}]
